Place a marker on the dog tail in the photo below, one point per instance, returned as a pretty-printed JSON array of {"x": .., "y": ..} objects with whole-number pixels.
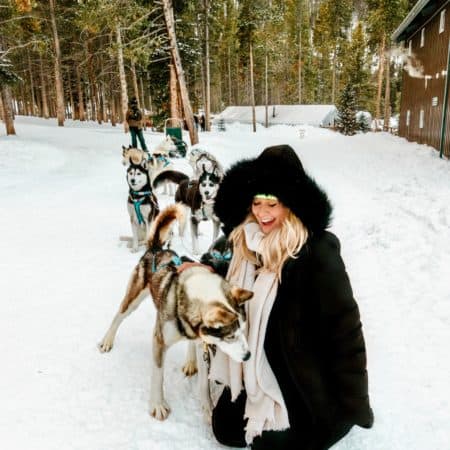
[
  {"x": 160, "y": 230},
  {"x": 170, "y": 175}
]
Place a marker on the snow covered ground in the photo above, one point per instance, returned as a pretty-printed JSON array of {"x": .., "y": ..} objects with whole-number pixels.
[{"x": 63, "y": 272}]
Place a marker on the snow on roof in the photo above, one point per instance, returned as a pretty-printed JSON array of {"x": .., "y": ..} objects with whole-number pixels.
[{"x": 318, "y": 115}]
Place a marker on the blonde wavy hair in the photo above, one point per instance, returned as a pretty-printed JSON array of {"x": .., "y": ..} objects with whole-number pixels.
[{"x": 276, "y": 247}]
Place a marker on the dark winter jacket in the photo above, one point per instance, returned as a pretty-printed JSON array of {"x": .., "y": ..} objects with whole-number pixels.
[{"x": 314, "y": 341}]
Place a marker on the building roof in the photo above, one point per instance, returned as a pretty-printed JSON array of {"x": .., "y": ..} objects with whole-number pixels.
[
  {"x": 280, "y": 114},
  {"x": 419, "y": 14}
]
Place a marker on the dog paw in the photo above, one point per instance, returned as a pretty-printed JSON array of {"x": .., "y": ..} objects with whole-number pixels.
[
  {"x": 160, "y": 411},
  {"x": 190, "y": 368},
  {"x": 105, "y": 346}
]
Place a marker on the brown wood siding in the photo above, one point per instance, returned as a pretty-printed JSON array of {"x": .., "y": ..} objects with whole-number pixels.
[{"x": 418, "y": 94}]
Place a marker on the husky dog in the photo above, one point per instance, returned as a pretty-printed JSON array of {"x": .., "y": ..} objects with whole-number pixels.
[
  {"x": 134, "y": 155},
  {"x": 166, "y": 146},
  {"x": 198, "y": 196},
  {"x": 156, "y": 162},
  {"x": 195, "y": 304},
  {"x": 142, "y": 203},
  {"x": 203, "y": 161}
]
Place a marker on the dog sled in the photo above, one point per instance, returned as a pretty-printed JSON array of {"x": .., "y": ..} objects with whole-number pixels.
[{"x": 173, "y": 127}]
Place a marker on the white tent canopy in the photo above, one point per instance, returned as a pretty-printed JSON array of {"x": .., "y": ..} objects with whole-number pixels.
[{"x": 316, "y": 115}]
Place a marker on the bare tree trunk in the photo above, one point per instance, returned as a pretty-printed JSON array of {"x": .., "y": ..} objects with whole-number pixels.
[
  {"x": 333, "y": 78},
  {"x": 58, "y": 74},
  {"x": 175, "y": 110},
  {"x": 188, "y": 115},
  {"x": 102, "y": 100},
  {"x": 32, "y": 93},
  {"x": 252, "y": 89},
  {"x": 2, "y": 111},
  {"x": 230, "y": 91},
  {"x": 44, "y": 95},
  {"x": 71, "y": 100},
  {"x": 387, "y": 94},
  {"x": 207, "y": 72},
  {"x": 123, "y": 81},
  {"x": 113, "y": 110},
  {"x": 380, "y": 81},
  {"x": 300, "y": 56},
  {"x": 135, "y": 84},
  {"x": 266, "y": 90},
  {"x": 112, "y": 101},
  {"x": 81, "y": 111},
  {"x": 150, "y": 103},
  {"x": 141, "y": 92},
  {"x": 8, "y": 115}
]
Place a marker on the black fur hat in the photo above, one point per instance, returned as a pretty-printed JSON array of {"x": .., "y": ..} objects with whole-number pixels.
[{"x": 276, "y": 171}]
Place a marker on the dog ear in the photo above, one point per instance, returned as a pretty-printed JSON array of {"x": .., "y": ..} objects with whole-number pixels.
[
  {"x": 218, "y": 316},
  {"x": 241, "y": 295}
]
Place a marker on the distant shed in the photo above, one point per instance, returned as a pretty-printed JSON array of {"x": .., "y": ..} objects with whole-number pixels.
[{"x": 315, "y": 115}]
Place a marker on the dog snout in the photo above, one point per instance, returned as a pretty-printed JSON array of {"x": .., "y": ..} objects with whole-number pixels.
[{"x": 247, "y": 356}]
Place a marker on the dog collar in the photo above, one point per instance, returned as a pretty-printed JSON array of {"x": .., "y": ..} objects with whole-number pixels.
[{"x": 141, "y": 193}]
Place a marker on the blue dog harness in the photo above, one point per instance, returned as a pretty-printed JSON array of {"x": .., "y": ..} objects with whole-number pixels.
[
  {"x": 221, "y": 257},
  {"x": 164, "y": 159},
  {"x": 137, "y": 204},
  {"x": 176, "y": 260}
]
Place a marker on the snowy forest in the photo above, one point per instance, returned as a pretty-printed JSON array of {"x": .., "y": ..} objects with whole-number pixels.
[{"x": 83, "y": 59}]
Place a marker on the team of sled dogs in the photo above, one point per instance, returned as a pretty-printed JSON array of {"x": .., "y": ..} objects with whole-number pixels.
[{"x": 194, "y": 304}]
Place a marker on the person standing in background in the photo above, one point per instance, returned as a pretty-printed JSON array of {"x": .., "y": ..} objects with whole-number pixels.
[{"x": 135, "y": 122}]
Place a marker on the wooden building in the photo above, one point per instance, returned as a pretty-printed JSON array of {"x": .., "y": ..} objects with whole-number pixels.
[{"x": 424, "y": 115}]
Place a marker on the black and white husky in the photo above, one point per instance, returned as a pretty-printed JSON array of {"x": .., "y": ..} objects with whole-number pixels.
[
  {"x": 201, "y": 161},
  {"x": 142, "y": 204},
  {"x": 198, "y": 196}
]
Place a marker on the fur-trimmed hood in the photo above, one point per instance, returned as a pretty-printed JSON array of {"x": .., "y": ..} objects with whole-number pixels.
[{"x": 276, "y": 171}]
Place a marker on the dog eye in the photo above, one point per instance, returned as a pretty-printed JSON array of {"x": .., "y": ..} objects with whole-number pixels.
[{"x": 229, "y": 338}]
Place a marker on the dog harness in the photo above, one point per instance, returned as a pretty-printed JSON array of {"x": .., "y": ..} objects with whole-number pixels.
[
  {"x": 138, "y": 202},
  {"x": 176, "y": 260},
  {"x": 221, "y": 257},
  {"x": 164, "y": 159}
]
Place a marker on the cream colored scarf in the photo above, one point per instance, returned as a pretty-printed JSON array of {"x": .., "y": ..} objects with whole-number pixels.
[{"x": 265, "y": 407}]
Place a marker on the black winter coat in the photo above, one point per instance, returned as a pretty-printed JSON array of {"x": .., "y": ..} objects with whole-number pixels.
[{"x": 314, "y": 341}]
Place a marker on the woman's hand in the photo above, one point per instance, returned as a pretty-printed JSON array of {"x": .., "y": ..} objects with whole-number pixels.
[{"x": 188, "y": 264}]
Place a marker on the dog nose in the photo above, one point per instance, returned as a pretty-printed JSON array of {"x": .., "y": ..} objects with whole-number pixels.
[{"x": 246, "y": 356}]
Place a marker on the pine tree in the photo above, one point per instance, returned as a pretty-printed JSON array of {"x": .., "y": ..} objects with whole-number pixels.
[
  {"x": 346, "y": 123},
  {"x": 363, "y": 122}
]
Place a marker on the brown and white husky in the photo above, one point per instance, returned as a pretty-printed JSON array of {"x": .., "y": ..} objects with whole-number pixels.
[{"x": 194, "y": 304}]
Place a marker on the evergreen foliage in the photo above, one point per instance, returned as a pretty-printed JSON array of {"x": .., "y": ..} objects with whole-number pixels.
[
  {"x": 313, "y": 50},
  {"x": 362, "y": 121},
  {"x": 7, "y": 74},
  {"x": 346, "y": 123}
]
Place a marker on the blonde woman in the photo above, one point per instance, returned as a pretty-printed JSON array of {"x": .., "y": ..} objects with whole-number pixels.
[{"x": 305, "y": 385}]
